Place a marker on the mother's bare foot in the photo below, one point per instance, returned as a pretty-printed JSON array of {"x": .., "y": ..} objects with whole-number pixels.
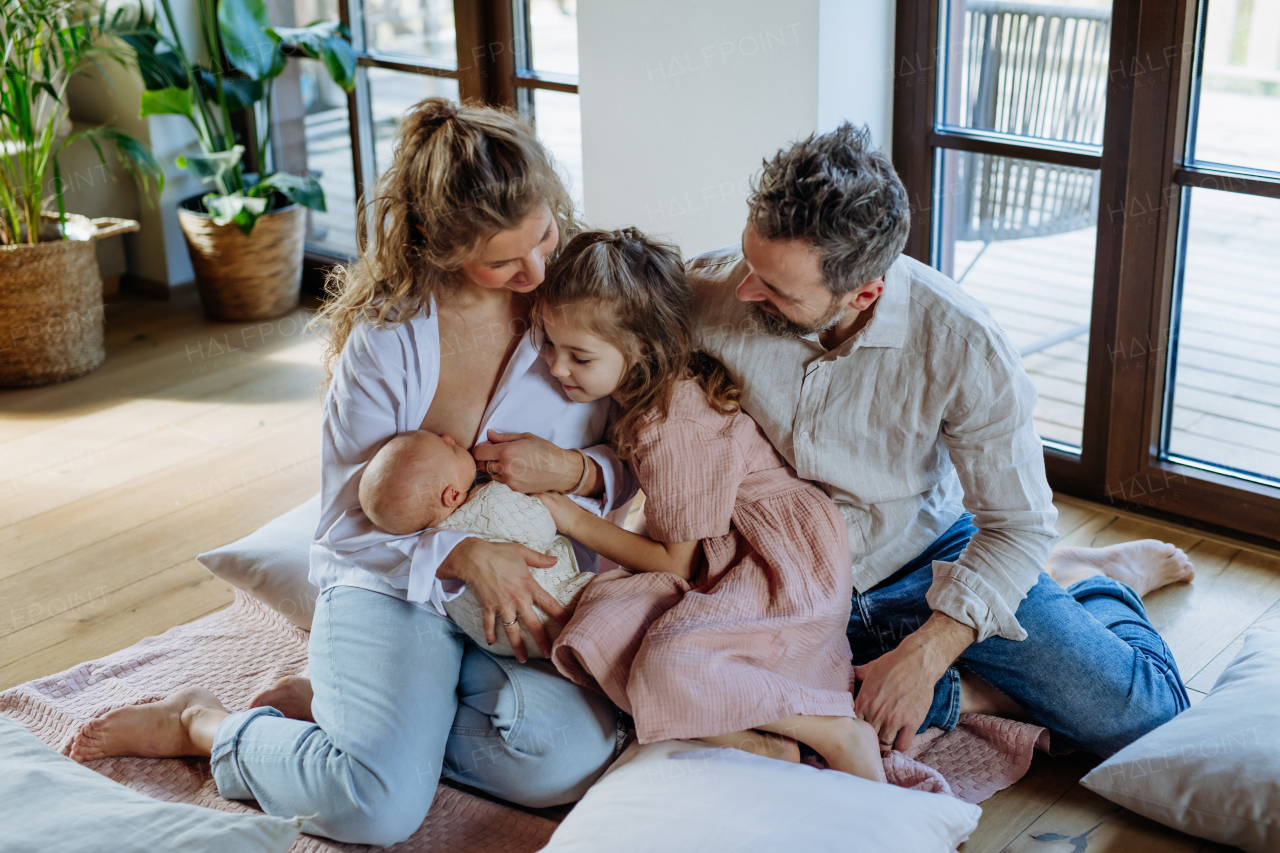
[
  {"x": 290, "y": 696},
  {"x": 1145, "y": 565},
  {"x": 180, "y": 725}
]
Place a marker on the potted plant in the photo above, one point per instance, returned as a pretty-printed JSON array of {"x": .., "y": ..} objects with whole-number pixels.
[
  {"x": 50, "y": 287},
  {"x": 245, "y": 236}
]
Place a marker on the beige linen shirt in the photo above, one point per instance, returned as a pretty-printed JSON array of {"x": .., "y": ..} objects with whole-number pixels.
[{"x": 925, "y": 412}]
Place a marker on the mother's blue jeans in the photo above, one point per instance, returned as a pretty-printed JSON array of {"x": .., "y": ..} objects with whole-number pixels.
[
  {"x": 403, "y": 696},
  {"x": 1092, "y": 669}
]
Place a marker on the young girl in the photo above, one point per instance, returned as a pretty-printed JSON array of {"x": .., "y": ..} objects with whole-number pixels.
[{"x": 734, "y": 618}]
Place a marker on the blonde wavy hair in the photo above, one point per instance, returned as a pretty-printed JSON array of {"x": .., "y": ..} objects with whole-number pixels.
[
  {"x": 459, "y": 175},
  {"x": 631, "y": 290}
]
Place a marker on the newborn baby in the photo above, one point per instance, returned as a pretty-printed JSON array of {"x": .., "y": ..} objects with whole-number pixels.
[{"x": 419, "y": 480}]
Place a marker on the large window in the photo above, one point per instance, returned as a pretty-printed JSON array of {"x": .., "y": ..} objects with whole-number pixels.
[
  {"x": 1104, "y": 177},
  {"x": 516, "y": 53}
]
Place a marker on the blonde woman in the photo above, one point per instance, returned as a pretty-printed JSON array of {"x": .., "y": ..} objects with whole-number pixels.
[{"x": 428, "y": 330}]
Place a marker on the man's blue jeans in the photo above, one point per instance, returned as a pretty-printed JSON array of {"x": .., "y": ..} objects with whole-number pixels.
[{"x": 1092, "y": 669}]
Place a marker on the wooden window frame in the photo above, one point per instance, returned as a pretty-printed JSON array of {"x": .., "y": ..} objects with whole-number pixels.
[
  {"x": 492, "y": 66},
  {"x": 1148, "y": 107}
]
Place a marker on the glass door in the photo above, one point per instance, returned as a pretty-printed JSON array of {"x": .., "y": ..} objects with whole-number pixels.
[
  {"x": 1222, "y": 392},
  {"x": 1017, "y": 139}
]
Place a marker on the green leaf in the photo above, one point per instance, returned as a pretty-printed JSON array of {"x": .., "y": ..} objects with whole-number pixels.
[
  {"x": 243, "y": 26},
  {"x": 340, "y": 58},
  {"x": 241, "y": 92},
  {"x": 135, "y": 156},
  {"x": 160, "y": 66},
  {"x": 210, "y": 167},
  {"x": 327, "y": 41},
  {"x": 307, "y": 39},
  {"x": 173, "y": 101},
  {"x": 238, "y": 208},
  {"x": 304, "y": 190},
  {"x": 47, "y": 87}
]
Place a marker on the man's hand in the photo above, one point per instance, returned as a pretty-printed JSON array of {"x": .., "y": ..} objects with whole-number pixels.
[{"x": 897, "y": 687}]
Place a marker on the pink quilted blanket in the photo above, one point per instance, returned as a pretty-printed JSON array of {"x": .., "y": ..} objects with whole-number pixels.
[{"x": 247, "y": 647}]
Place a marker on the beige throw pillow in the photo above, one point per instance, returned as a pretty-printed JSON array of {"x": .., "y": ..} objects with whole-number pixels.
[{"x": 1214, "y": 770}]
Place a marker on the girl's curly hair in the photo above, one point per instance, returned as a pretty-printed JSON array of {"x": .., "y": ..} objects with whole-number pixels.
[
  {"x": 459, "y": 175},
  {"x": 631, "y": 290}
]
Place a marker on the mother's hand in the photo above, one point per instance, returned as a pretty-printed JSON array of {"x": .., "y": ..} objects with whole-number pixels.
[
  {"x": 497, "y": 573},
  {"x": 529, "y": 464}
]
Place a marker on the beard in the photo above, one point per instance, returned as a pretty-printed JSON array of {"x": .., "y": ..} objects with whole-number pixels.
[{"x": 781, "y": 327}]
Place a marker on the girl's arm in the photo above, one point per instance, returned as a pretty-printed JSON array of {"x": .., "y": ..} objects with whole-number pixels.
[{"x": 627, "y": 549}]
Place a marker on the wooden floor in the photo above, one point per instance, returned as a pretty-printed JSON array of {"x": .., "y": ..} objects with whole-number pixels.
[{"x": 195, "y": 433}]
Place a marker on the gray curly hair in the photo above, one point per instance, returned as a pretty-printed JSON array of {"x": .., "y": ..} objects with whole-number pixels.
[{"x": 839, "y": 194}]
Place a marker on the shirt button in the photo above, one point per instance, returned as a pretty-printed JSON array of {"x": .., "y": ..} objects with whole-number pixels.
[{"x": 804, "y": 433}]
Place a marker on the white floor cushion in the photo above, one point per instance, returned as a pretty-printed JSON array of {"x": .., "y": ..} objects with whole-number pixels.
[
  {"x": 54, "y": 805},
  {"x": 679, "y": 796},
  {"x": 1213, "y": 770},
  {"x": 273, "y": 563}
]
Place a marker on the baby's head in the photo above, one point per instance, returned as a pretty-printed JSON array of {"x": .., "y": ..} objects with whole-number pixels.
[
  {"x": 616, "y": 315},
  {"x": 415, "y": 481}
]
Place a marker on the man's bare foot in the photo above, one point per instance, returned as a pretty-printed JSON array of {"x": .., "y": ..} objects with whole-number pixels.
[
  {"x": 290, "y": 696},
  {"x": 979, "y": 697},
  {"x": 1145, "y": 565},
  {"x": 767, "y": 744},
  {"x": 855, "y": 750},
  {"x": 180, "y": 725}
]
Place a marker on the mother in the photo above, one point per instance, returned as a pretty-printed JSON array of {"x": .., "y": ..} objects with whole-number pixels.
[{"x": 428, "y": 331}]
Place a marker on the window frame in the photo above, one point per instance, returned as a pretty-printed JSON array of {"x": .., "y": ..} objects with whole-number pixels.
[
  {"x": 1152, "y": 67},
  {"x": 492, "y": 66}
]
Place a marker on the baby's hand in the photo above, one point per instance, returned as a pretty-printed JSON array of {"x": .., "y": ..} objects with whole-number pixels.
[{"x": 562, "y": 509}]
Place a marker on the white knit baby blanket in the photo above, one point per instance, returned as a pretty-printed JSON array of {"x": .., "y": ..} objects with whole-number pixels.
[{"x": 497, "y": 514}]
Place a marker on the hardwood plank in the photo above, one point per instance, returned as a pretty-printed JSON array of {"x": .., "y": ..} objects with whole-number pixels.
[
  {"x": 1107, "y": 828},
  {"x": 173, "y": 351},
  {"x": 1208, "y": 674},
  {"x": 131, "y": 555},
  {"x": 147, "y": 452},
  {"x": 1233, "y": 587},
  {"x": 112, "y": 621},
  {"x": 1071, "y": 515},
  {"x": 258, "y": 380},
  {"x": 77, "y": 524},
  {"x": 1010, "y": 811},
  {"x": 1195, "y": 695}
]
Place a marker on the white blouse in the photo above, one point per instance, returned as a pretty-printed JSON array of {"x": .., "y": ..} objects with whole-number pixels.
[{"x": 384, "y": 382}]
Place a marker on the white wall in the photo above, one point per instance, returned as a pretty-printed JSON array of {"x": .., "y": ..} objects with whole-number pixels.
[{"x": 683, "y": 99}]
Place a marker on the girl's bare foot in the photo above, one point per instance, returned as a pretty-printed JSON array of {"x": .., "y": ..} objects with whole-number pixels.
[
  {"x": 767, "y": 744},
  {"x": 845, "y": 743},
  {"x": 1145, "y": 565},
  {"x": 855, "y": 750},
  {"x": 181, "y": 725},
  {"x": 290, "y": 696}
]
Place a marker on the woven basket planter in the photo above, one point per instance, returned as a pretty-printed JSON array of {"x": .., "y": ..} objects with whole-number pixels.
[
  {"x": 51, "y": 313},
  {"x": 246, "y": 278}
]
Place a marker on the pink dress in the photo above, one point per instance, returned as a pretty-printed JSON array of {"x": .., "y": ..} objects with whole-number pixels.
[{"x": 759, "y": 634}]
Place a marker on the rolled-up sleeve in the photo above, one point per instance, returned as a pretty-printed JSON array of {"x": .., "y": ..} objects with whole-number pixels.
[{"x": 992, "y": 442}]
